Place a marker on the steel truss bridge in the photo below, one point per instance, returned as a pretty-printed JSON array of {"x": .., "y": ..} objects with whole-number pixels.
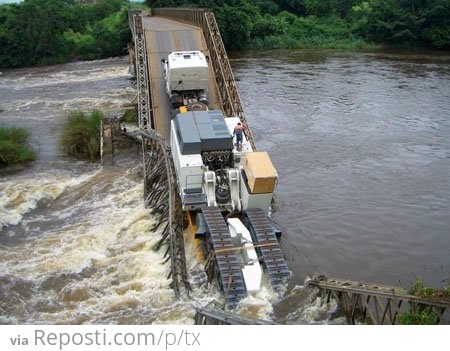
[{"x": 177, "y": 29}]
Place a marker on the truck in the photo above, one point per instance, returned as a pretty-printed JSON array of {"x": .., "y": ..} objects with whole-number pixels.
[
  {"x": 226, "y": 190},
  {"x": 186, "y": 78}
]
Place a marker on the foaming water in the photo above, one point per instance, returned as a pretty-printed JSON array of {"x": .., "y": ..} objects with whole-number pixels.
[
  {"x": 75, "y": 72},
  {"x": 19, "y": 194},
  {"x": 41, "y": 98},
  {"x": 76, "y": 239},
  {"x": 96, "y": 266},
  {"x": 360, "y": 142}
]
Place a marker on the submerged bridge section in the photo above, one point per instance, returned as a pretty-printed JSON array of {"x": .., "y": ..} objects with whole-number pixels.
[
  {"x": 378, "y": 304},
  {"x": 213, "y": 314}
]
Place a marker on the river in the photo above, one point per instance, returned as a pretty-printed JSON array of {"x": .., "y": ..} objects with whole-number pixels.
[{"x": 360, "y": 141}]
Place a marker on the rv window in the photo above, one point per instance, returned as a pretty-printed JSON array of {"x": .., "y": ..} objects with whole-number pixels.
[{"x": 187, "y": 57}]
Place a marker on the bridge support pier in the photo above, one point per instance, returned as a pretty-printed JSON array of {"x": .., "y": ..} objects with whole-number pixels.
[
  {"x": 113, "y": 139},
  {"x": 109, "y": 128}
]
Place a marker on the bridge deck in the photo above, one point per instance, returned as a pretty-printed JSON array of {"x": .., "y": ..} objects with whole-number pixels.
[{"x": 163, "y": 36}]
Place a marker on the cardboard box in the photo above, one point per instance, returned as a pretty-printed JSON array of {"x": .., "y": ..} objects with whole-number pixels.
[{"x": 261, "y": 174}]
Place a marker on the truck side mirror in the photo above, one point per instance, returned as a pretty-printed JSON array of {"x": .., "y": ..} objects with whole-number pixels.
[{"x": 163, "y": 60}]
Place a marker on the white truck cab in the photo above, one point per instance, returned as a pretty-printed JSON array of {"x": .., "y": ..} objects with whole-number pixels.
[{"x": 186, "y": 71}]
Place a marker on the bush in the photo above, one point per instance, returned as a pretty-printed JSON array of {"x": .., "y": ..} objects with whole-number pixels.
[
  {"x": 84, "y": 46},
  {"x": 81, "y": 135},
  {"x": 418, "y": 288},
  {"x": 14, "y": 146},
  {"x": 438, "y": 37},
  {"x": 418, "y": 318},
  {"x": 130, "y": 116},
  {"x": 308, "y": 33}
]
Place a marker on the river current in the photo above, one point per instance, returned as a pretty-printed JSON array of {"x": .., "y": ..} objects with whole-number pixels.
[{"x": 361, "y": 144}]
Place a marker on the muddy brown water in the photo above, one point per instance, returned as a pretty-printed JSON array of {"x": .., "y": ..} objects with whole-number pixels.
[{"x": 361, "y": 144}]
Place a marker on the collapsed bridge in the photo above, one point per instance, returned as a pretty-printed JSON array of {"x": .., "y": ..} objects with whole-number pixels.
[
  {"x": 170, "y": 30},
  {"x": 193, "y": 31}
]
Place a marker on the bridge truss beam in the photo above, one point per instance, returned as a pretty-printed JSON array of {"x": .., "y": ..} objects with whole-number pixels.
[
  {"x": 161, "y": 195},
  {"x": 376, "y": 303},
  {"x": 144, "y": 96},
  {"x": 213, "y": 314}
]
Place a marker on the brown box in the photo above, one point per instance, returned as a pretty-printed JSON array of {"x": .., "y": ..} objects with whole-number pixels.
[{"x": 260, "y": 172}]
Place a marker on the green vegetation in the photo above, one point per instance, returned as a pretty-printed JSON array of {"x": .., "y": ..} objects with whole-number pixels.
[
  {"x": 423, "y": 317},
  {"x": 36, "y": 32},
  {"x": 327, "y": 23},
  {"x": 424, "y": 314},
  {"x": 81, "y": 135},
  {"x": 130, "y": 116},
  {"x": 419, "y": 289},
  {"x": 14, "y": 146}
]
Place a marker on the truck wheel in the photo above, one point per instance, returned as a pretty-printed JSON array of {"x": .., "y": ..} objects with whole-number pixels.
[{"x": 197, "y": 106}]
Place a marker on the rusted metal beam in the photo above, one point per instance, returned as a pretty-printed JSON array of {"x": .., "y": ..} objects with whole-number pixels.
[
  {"x": 375, "y": 303},
  {"x": 161, "y": 195},
  {"x": 213, "y": 314}
]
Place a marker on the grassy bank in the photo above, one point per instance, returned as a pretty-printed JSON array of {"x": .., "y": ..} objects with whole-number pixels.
[
  {"x": 81, "y": 135},
  {"x": 14, "y": 147}
]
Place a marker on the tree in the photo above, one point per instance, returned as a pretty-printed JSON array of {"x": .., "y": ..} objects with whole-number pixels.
[
  {"x": 389, "y": 23},
  {"x": 112, "y": 34},
  {"x": 321, "y": 8},
  {"x": 294, "y": 6},
  {"x": 437, "y": 24},
  {"x": 268, "y": 6},
  {"x": 50, "y": 31},
  {"x": 235, "y": 26}
]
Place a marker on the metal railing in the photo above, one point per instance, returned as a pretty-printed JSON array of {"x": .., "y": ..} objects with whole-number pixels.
[
  {"x": 161, "y": 195},
  {"x": 144, "y": 97},
  {"x": 160, "y": 186}
]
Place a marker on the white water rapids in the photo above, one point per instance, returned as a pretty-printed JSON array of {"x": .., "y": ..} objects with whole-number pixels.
[
  {"x": 77, "y": 244},
  {"x": 360, "y": 142}
]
